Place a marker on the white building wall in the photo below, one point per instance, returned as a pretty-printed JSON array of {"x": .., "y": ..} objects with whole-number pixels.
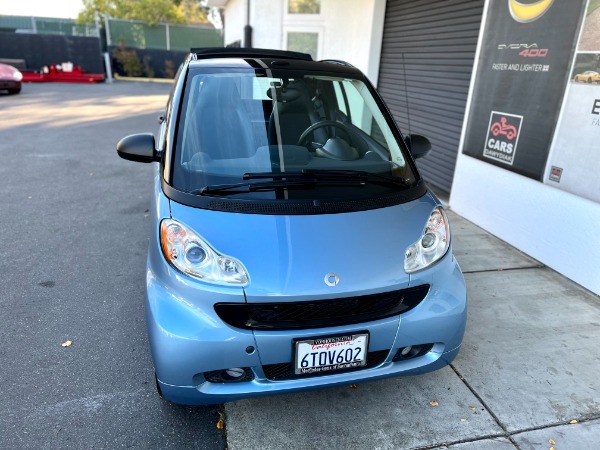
[
  {"x": 353, "y": 32},
  {"x": 555, "y": 227},
  {"x": 266, "y": 19},
  {"x": 235, "y": 20},
  {"x": 350, "y": 30}
]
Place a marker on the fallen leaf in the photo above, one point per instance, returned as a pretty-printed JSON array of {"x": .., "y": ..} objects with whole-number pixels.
[
  {"x": 472, "y": 408},
  {"x": 353, "y": 386},
  {"x": 552, "y": 448},
  {"x": 463, "y": 420},
  {"x": 572, "y": 422},
  {"x": 66, "y": 343},
  {"x": 221, "y": 421},
  {"x": 433, "y": 403},
  {"x": 551, "y": 442}
]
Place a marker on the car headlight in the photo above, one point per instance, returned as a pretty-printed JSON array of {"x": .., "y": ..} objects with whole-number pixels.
[
  {"x": 431, "y": 246},
  {"x": 18, "y": 76},
  {"x": 192, "y": 255}
]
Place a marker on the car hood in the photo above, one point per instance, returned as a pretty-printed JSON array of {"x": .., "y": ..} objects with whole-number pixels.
[{"x": 290, "y": 257}]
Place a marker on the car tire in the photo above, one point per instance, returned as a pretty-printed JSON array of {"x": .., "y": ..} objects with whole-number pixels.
[
  {"x": 14, "y": 91},
  {"x": 589, "y": 80}
]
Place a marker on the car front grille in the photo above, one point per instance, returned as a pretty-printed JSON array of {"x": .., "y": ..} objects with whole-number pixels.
[
  {"x": 320, "y": 313},
  {"x": 285, "y": 371}
]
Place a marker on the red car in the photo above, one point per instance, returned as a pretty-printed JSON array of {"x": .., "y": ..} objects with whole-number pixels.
[{"x": 10, "y": 79}]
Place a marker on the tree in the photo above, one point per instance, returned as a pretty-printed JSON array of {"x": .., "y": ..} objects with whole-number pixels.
[
  {"x": 193, "y": 12},
  {"x": 148, "y": 11}
]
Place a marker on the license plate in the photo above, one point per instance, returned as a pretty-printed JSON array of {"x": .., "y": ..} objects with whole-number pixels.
[{"x": 330, "y": 354}]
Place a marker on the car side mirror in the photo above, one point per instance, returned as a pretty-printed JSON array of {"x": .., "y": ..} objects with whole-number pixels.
[
  {"x": 418, "y": 145},
  {"x": 138, "y": 147}
]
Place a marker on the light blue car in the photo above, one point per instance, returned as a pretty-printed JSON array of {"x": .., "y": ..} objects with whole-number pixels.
[{"x": 294, "y": 245}]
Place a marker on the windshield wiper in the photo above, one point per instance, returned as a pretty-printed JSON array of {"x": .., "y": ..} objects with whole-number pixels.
[
  {"x": 319, "y": 175},
  {"x": 232, "y": 189}
]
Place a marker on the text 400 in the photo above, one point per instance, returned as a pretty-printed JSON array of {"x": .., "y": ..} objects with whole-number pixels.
[{"x": 534, "y": 52}]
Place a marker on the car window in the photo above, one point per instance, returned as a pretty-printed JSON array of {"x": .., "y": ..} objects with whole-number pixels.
[{"x": 238, "y": 121}]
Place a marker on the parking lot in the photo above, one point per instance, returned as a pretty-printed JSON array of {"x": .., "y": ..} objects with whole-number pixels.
[{"x": 74, "y": 233}]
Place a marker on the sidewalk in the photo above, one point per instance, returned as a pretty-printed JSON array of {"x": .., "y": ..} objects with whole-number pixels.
[{"x": 529, "y": 365}]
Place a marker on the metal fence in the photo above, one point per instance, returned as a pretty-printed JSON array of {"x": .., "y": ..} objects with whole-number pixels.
[
  {"x": 47, "y": 25},
  {"x": 130, "y": 33}
]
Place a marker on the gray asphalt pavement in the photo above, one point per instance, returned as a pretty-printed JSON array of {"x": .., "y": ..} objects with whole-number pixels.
[
  {"x": 73, "y": 239},
  {"x": 73, "y": 242}
]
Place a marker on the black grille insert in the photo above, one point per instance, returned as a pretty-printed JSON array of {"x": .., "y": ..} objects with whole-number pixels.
[
  {"x": 285, "y": 371},
  {"x": 321, "y": 313}
]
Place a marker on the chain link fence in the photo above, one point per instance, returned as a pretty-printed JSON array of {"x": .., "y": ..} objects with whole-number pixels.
[
  {"x": 47, "y": 25},
  {"x": 134, "y": 34},
  {"x": 127, "y": 47},
  {"x": 129, "y": 33}
]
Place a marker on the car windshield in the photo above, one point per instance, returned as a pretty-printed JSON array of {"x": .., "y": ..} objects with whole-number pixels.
[{"x": 241, "y": 129}]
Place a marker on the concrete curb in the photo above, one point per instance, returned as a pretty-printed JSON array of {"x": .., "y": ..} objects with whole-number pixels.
[{"x": 143, "y": 79}]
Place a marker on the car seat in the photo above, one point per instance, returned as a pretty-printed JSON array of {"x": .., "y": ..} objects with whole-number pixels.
[{"x": 222, "y": 125}]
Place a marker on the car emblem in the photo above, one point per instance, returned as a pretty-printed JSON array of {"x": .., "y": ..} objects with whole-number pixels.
[{"x": 331, "y": 279}]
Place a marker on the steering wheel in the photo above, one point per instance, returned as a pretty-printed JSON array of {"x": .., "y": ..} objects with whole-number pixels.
[{"x": 350, "y": 133}]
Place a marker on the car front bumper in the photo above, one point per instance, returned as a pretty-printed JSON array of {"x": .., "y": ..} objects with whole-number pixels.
[
  {"x": 9, "y": 84},
  {"x": 217, "y": 393},
  {"x": 188, "y": 340}
]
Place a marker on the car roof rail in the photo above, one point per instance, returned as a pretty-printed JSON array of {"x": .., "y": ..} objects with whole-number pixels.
[
  {"x": 228, "y": 52},
  {"x": 337, "y": 61}
]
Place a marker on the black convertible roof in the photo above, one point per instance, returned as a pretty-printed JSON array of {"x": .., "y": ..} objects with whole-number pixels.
[{"x": 228, "y": 52}]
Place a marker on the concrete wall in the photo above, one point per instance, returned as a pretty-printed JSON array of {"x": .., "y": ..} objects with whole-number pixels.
[{"x": 350, "y": 30}]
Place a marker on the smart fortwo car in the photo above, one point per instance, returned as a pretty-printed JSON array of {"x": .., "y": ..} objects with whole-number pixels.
[{"x": 294, "y": 244}]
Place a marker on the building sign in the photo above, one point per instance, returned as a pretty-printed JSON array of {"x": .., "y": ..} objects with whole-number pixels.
[
  {"x": 503, "y": 136},
  {"x": 574, "y": 160},
  {"x": 524, "y": 65}
]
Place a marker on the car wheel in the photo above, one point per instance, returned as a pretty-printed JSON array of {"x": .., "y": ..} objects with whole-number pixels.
[
  {"x": 15, "y": 90},
  {"x": 590, "y": 80}
]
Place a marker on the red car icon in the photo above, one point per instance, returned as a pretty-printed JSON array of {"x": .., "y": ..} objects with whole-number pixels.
[{"x": 502, "y": 128}]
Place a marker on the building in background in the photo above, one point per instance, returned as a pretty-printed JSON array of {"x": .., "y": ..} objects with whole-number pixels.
[{"x": 327, "y": 29}]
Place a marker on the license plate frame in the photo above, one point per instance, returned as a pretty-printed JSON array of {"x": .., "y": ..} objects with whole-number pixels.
[{"x": 333, "y": 347}]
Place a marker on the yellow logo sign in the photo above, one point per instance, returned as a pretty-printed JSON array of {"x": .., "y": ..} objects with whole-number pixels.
[{"x": 528, "y": 12}]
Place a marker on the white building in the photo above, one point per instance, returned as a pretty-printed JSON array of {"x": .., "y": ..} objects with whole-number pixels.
[{"x": 328, "y": 29}]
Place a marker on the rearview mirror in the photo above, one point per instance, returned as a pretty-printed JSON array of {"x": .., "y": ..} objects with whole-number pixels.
[
  {"x": 138, "y": 147},
  {"x": 418, "y": 145}
]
